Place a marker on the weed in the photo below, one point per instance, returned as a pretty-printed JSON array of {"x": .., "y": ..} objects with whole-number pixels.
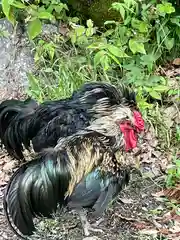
[{"x": 173, "y": 173}]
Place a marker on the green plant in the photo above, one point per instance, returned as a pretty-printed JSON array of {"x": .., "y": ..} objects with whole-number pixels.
[
  {"x": 178, "y": 133},
  {"x": 33, "y": 14},
  {"x": 173, "y": 173},
  {"x": 127, "y": 50}
]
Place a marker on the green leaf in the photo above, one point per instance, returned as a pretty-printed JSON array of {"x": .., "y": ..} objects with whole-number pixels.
[
  {"x": 117, "y": 51},
  {"x": 80, "y": 30},
  {"x": 176, "y": 21},
  {"x": 136, "y": 46},
  {"x": 98, "y": 56},
  {"x": 89, "y": 23},
  {"x": 122, "y": 11},
  {"x": 105, "y": 62},
  {"x": 154, "y": 79},
  {"x": 82, "y": 39},
  {"x": 109, "y": 22},
  {"x": 161, "y": 88},
  {"x": 114, "y": 58},
  {"x": 169, "y": 42},
  {"x": 165, "y": 8},
  {"x": 143, "y": 27},
  {"x": 34, "y": 28},
  {"x": 89, "y": 32},
  {"x": 45, "y": 15},
  {"x": 18, "y": 4},
  {"x": 140, "y": 25},
  {"x": 155, "y": 94},
  {"x": 73, "y": 37},
  {"x": 6, "y": 7},
  {"x": 34, "y": 83}
]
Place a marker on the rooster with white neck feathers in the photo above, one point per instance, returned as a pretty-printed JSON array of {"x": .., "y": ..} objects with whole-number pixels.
[{"x": 81, "y": 171}]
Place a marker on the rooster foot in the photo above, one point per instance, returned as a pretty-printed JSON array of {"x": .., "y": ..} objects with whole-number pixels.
[
  {"x": 87, "y": 227},
  {"x": 97, "y": 222}
]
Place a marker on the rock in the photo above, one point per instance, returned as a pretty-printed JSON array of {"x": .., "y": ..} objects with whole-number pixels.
[{"x": 16, "y": 60}]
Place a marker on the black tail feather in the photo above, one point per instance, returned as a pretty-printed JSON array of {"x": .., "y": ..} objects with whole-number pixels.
[
  {"x": 35, "y": 189},
  {"x": 11, "y": 114}
]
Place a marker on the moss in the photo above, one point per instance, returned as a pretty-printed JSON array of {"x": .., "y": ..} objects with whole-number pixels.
[{"x": 97, "y": 10}]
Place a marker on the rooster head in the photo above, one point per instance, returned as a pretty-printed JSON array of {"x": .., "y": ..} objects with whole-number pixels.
[{"x": 131, "y": 124}]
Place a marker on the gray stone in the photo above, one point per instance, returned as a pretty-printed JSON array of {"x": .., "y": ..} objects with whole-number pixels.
[{"x": 16, "y": 60}]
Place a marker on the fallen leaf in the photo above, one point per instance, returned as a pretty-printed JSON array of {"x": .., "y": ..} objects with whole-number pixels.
[
  {"x": 173, "y": 193},
  {"x": 126, "y": 200},
  {"x": 176, "y": 62},
  {"x": 164, "y": 231},
  {"x": 153, "y": 232},
  {"x": 158, "y": 194},
  {"x": 141, "y": 225}
]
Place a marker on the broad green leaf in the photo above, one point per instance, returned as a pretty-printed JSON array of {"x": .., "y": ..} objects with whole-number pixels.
[
  {"x": 155, "y": 94},
  {"x": 45, "y": 15},
  {"x": 176, "y": 21},
  {"x": 117, "y": 51},
  {"x": 169, "y": 42},
  {"x": 140, "y": 25},
  {"x": 98, "y": 56},
  {"x": 165, "y": 8},
  {"x": 143, "y": 27},
  {"x": 119, "y": 7},
  {"x": 114, "y": 58},
  {"x": 127, "y": 20},
  {"x": 82, "y": 39},
  {"x": 122, "y": 11},
  {"x": 18, "y": 4},
  {"x": 105, "y": 62},
  {"x": 73, "y": 37},
  {"x": 89, "y": 32},
  {"x": 97, "y": 45},
  {"x": 80, "y": 30},
  {"x": 108, "y": 32},
  {"x": 6, "y": 7},
  {"x": 89, "y": 23},
  {"x": 109, "y": 22},
  {"x": 161, "y": 88},
  {"x": 58, "y": 8},
  {"x": 34, "y": 28},
  {"x": 136, "y": 46},
  {"x": 154, "y": 79},
  {"x": 116, "y": 6}
]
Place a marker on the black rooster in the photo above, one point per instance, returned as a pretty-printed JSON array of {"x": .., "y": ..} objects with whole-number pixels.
[
  {"x": 81, "y": 171},
  {"x": 22, "y": 122}
]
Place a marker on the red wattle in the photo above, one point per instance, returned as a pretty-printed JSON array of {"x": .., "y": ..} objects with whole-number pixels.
[{"x": 129, "y": 135}]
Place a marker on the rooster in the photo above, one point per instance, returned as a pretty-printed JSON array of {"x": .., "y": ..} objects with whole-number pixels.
[
  {"x": 80, "y": 172},
  {"x": 22, "y": 122}
]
